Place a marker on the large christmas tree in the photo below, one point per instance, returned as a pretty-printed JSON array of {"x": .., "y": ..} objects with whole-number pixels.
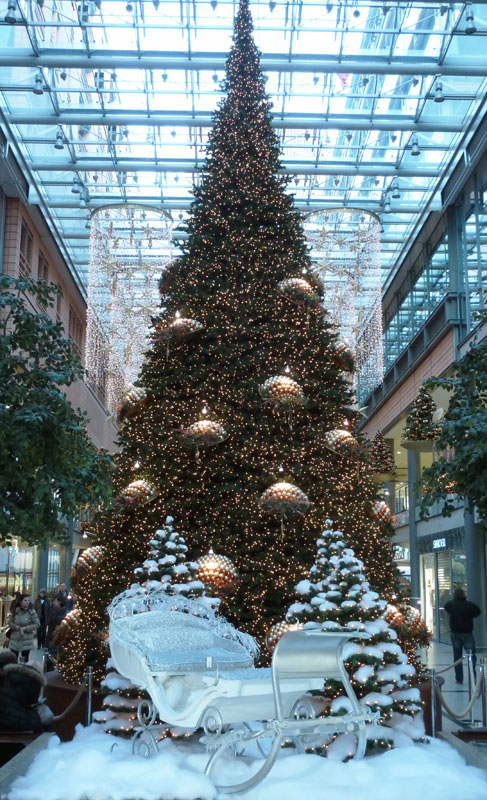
[{"x": 241, "y": 389}]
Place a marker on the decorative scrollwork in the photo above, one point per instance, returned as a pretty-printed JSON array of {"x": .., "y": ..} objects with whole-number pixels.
[{"x": 212, "y": 721}]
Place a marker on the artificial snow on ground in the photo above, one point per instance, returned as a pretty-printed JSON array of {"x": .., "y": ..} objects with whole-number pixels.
[{"x": 95, "y": 766}]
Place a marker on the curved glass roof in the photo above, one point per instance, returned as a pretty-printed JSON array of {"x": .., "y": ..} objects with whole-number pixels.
[{"x": 111, "y": 102}]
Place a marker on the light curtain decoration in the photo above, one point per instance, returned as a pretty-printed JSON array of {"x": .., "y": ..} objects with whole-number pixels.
[
  {"x": 129, "y": 247},
  {"x": 345, "y": 248}
]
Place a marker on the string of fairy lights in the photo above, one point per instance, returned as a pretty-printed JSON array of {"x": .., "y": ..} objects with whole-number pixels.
[{"x": 244, "y": 240}]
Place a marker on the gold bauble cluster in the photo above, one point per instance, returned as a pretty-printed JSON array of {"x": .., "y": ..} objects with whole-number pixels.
[
  {"x": 90, "y": 557},
  {"x": 141, "y": 491},
  {"x": 413, "y": 621},
  {"x": 339, "y": 440},
  {"x": 282, "y": 389},
  {"x": 285, "y": 499},
  {"x": 216, "y": 571},
  {"x": 381, "y": 511},
  {"x": 279, "y": 629},
  {"x": 394, "y": 617},
  {"x": 297, "y": 289}
]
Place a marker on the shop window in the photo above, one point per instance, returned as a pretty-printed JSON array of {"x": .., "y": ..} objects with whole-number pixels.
[
  {"x": 75, "y": 330},
  {"x": 26, "y": 248},
  {"x": 42, "y": 267},
  {"x": 59, "y": 305},
  {"x": 52, "y": 569}
]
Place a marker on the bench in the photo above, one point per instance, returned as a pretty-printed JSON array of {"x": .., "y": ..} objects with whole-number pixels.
[{"x": 18, "y": 765}]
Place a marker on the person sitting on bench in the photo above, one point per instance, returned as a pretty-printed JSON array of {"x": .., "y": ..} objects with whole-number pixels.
[{"x": 20, "y": 686}]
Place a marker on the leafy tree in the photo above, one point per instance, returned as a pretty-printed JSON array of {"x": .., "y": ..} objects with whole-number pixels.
[
  {"x": 48, "y": 467},
  {"x": 461, "y": 467}
]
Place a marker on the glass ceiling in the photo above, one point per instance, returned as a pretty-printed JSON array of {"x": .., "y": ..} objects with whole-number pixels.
[{"x": 110, "y": 102}]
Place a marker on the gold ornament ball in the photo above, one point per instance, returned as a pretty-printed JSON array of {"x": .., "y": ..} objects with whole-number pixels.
[
  {"x": 216, "y": 571},
  {"x": 283, "y": 388},
  {"x": 296, "y": 288},
  {"x": 394, "y": 617},
  {"x": 207, "y": 430},
  {"x": 91, "y": 556},
  {"x": 339, "y": 440},
  {"x": 381, "y": 511},
  {"x": 413, "y": 621},
  {"x": 279, "y": 629},
  {"x": 284, "y": 497},
  {"x": 141, "y": 490}
]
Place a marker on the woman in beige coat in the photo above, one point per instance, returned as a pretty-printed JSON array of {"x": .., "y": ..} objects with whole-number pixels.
[{"x": 23, "y": 623}]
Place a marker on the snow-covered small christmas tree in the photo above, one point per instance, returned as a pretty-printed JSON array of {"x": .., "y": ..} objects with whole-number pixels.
[
  {"x": 381, "y": 456},
  {"x": 419, "y": 421},
  {"x": 167, "y": 566},
  {"x": 338, "y": 596},
  {"x": 168, "y": 569}
]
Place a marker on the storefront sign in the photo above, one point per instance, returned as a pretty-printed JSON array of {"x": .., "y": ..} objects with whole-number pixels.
[{"x": 439, "y": 544}]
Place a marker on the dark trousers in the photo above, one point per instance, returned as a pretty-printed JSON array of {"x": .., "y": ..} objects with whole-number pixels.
[
  {"x": 41, "y": 635},
  {"x": 24, "y": 654},
  {"x": 460, "y": 642}
]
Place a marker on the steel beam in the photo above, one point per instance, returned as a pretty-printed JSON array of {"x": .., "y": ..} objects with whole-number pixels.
[
  {"x": 172, "y": 60},
  {"x": 188, "y": 165},
  {"x": 198, "y": 119},
  {"x": 178, "y": 204}
]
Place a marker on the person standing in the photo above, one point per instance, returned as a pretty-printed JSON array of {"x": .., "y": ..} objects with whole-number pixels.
[
  {"x": 42, "y": 608},
  {"x": 68, "y": 597},
  {"x": 23, "y": 623},
  {"x": 461, "y": 613},
  {"x": 56, "y": 616}
]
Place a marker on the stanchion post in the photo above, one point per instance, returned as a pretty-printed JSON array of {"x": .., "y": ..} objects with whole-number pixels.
[
  {"x": 89, "y": 681},
  {"x": 483, "y": 692},
  {"x": 433, "y": 702},
  {"x": 45, "y": 653}
]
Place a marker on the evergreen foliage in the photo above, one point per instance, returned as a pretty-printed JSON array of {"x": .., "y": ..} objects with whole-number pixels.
[
  {"x": 381, "y": 456},
  {"x": 245, "y": 238},
  {"x": 166, "y": 568},
  {"x": 48, "y": 467},
  {"x": 337, "y": 596},
  {"x": 419, "y": 422},
  {"x": 461, "y": 467}
]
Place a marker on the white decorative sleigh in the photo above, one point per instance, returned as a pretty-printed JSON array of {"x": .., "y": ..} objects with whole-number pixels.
[{"x": 199, "y": 672}]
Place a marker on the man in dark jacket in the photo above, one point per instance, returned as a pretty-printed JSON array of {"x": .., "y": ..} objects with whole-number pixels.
[
  {"x": 42, "y": 609},
  {"x": 461, "y": 613},
  {"x": 20, "y": 686}
]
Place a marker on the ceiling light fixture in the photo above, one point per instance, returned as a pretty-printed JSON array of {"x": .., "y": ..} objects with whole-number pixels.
[
  {"x": 129, "y": 8},
  {"x": 10, "y": 15},
  {"x": 315, "y": 79},
  {"x": 439, "y": 96},
  {"x": 215, "y": 77},
  {"x": 214, "y": 4},
  {"x": 59, "y": 143},
  {"x": 470, "y": 27},
  {"x": 356, "y": 11},
  {"x": 156, "y": 4},
  {"x": 63, "y": 74},
  {"x": 396, "y": 194},
  {"x": 387, "y": 204},
  {"x": 329, "y": 7},
  {"x": 272, "y": 5},
  {"x": 76, "y": 187},
  {"x": 415, "y": 151},
  {"x": 38, "y": 84}
]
